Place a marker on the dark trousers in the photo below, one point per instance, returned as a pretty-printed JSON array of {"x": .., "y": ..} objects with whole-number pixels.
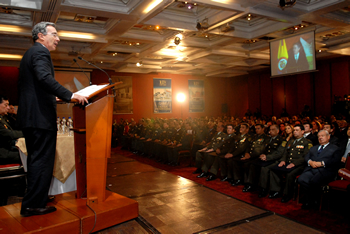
[
  {"x": 311, "y": 181},
  {"x": 276, "y": 174},
  {"x": 41, "y": 148}
]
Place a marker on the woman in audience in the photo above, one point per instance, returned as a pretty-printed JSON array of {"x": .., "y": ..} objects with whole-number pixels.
[
  {"x": 316, "y": 127},
  {"x": 289, "y": 132}
]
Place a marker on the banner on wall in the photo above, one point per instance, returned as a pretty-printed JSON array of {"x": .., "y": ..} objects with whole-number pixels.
[
  {"x": 162, "y": 95},
  {"x": 196, "y": 95},
  {"x": 123, "y": 101}
]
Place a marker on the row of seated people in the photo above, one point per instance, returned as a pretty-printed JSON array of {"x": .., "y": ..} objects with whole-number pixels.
[
  {"x": 163, "y": 144},
  {"x": 9, "y": 154},
  {"x": 269, "y": 162}
]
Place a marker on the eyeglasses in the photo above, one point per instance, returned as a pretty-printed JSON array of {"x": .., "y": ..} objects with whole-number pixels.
[{"x": 53, "y": 34}]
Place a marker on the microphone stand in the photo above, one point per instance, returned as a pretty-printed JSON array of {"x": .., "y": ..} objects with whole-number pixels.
[
  {"x": 90, "y": 83},
  {"x": 109, "y": 78}
]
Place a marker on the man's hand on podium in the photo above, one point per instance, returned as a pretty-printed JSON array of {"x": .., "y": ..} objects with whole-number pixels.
[{"x": 81, "y": 99}]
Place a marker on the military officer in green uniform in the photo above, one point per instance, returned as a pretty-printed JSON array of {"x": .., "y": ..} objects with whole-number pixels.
[
  {"x": 215, "y": 143},
  {"x": 291, "y": 165},
  {"x": 237, "y": 152},
  {"x": 241, "y": 166},
  {"x": 174, "y": 141},
  {"x": 184, "y": 144},
  {"x": 211, "y": 160},
  {"x": 9, "y": 154},
  {"x": 266, "y": 158}
]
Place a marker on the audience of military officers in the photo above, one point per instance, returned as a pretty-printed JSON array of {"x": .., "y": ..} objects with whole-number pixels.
[{"x": 262, "y": 154}]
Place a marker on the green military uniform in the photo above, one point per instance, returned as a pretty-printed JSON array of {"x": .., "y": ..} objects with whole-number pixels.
[
  {"x": 252, "y": 177},
  {"x": 214, "y": 144},
  {"x": 275, "y": 150},
  {"x": 9, "y": 154},
  {"x": 212, "y": 160},
  {"x": 173, "y": 151},
  {"x": 241, "y": 145},
  {"x": 255, "y": 149},
  {"x": 295, "y": 152}
]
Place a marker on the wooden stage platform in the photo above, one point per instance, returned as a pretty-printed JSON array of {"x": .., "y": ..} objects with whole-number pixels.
[
  {"x": 167, "y": 204},
  {"x": 72, "y": 215}
]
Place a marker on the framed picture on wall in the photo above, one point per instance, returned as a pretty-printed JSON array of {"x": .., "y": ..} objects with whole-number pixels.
[
  {"x": 123, "y": 101},
  {"x": 162, "y": 96}
]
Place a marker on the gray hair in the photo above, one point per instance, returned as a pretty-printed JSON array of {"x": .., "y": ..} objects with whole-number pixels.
[
  {"x": 41, "y": 28},
  {"x": 327, "y": 133}
]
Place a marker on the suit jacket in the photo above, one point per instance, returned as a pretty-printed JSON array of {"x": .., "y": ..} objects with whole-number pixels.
[
  {"x": 313, "y": 138},
  {"x": 330, "y": 155},
  {"x": 295, "y": 66},
  {"x": 38, "y": 90}
]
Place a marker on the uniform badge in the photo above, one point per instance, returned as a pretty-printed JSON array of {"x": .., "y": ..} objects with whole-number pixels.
[
  {"x": 309, "y": 146},
  {"x": 300, "y": 147},
  {"x": 284, "y": 143},
  {"x": 243, "y": 140}
]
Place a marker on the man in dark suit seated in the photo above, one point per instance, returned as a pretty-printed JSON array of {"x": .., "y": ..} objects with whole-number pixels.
[
  {"x": 322, "y": 160},
  {"x": 9, "y": 154}
]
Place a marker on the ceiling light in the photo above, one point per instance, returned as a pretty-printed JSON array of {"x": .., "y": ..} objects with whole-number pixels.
[
  {"x": 10, "y": 56},
  {"x": 139, "y": 64},
  {"x": 177, "y": 40},
  {"x": 157, "y": 27},
  {"x": 101, "y": 61},
  {"x": 152, "y": 5},
  {"x": 70, "y": 34},
  {"x": 10, "y": 28}
]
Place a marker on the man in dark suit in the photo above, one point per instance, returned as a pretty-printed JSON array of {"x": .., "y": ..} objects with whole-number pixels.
[
  {"x": 37, "y": 116},
  {"x": 308, "y": 134},
  {"x": 322, "y": 160},
  {"x": 9, "y": 154},
  {"x": 297, "y": 59}
]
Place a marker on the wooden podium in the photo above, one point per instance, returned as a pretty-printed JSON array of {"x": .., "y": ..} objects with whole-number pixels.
[
  {"x": 92, "y": 141},
  {"x": 91, "y": 208}
]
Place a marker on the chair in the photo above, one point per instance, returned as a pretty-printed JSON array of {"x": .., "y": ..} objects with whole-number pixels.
[
  {"x": 7, "y": 172},
  {"x": 341, "y": 184},
  {"x": 186, "y": 153}
]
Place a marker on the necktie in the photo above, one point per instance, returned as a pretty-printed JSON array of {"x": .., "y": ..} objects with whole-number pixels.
[{"x": 320, "y": 150}]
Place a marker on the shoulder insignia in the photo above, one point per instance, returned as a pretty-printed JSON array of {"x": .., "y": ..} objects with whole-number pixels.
[
  {"x": 309, "y": 145},
  {"x": 284, "y": 143}
]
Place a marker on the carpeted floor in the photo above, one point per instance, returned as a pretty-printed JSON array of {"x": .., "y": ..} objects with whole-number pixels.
[{"x": 331, "y": 219}]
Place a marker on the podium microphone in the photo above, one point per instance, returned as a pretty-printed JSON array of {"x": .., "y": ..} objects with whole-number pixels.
[
  {"x": 109, "y": 78},
  {"x": 83, "y": 71}
]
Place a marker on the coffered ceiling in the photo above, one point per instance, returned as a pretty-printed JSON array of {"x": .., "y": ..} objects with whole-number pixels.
[{"x": 220, "y": 38}]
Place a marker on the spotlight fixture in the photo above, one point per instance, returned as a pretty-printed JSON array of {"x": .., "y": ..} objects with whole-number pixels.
[
  {"x": 249, "y": 17},
  {"x": 187, "y": 5},
  {"x": 139, "y": 64},
  {"x": 204, "y": 25},
  {"x": 177, "y": 40},
  {"x": 286, "y": 3}
]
